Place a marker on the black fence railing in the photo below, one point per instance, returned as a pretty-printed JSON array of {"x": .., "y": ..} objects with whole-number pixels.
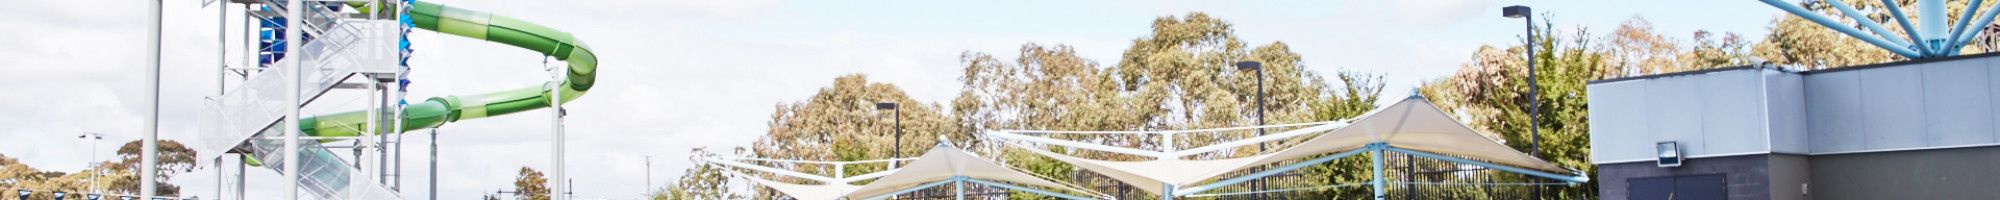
[{"x": 1409, "y": 177}]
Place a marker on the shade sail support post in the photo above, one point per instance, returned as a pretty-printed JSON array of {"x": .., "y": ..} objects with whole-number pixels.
[{"x": 1375, "y": 157}]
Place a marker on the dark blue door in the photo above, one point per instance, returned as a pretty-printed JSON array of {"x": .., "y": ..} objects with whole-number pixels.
[{"x": 1696, "y": 187}]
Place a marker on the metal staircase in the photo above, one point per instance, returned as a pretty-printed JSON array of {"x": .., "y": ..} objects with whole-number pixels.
[{"x": 341, "y": 48}]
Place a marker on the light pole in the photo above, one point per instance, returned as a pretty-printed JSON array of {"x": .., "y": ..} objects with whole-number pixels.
[
  {"x": 1534, "y": 88},
  {"x": 1259, "y": 67},
  {"x": 94, "y": 138},
  {"x": 898, "y": 152},
  {"x": 649, "y": 174}
]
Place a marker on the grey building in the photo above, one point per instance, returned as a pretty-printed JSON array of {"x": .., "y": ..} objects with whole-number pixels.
[{"x": 1922, "y": 129}]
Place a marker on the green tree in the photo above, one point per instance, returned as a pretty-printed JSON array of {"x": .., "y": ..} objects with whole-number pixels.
[
  {"x": 703, "y": 181},
  {"x": 531, "y": 185},
  {"x": 1180, "y": 76},
  {"x": 174, "y": 159},
  {"x": 1492, "y": 91}
]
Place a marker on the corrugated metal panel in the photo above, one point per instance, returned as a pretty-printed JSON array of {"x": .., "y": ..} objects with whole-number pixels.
[
  {"x": 1993, "y": 88},
  {"x": 1892, "y": 107},
  {"x": 1618, "y": 122},
  {"x": 1731, "y": 112},
  {"x": 1833, "y": 110},
  {"x": 1958, "y": 109},
  {"x": 1785, "y": 101},
  {"x": 1675, "y": 113}
]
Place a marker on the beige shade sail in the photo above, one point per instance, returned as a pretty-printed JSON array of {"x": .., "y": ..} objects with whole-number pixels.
[
  {"x": 942, "y": 163},
  {"x": 1412, "y": 123},
  {"x": 803, "y": 191}
]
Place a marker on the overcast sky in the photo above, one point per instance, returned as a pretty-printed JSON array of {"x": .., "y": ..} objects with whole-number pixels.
[{"x": 678, "y": 74}]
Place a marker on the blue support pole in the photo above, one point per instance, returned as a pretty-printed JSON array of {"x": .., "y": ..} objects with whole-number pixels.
[
  {"x": 1872, "y": 26},
  {"x": 1376, "y": 157},
  {"x": 1269, "y": 172},
  {"x": 958, "y": 187},
  {"x": 1933, "y": 19},
  {"x": 1836, "y": 26},
  {"x": 1964, "y": 18},
  {"x": 1167, "y": 193},
  {"x": 911, "y": 189},
  {"x": 1025, "y": 189},
  {"x": 1984, "y": 20},
  {"x": 1566, "y": 178},
  {"x": 1896, "y": 11}
]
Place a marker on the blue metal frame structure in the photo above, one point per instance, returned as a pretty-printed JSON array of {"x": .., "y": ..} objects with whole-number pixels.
[{"x": 1934, "y": 39}]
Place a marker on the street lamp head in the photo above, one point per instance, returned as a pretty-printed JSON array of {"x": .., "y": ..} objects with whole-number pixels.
[
  {"x": 1516, "y": 11},
  {"x": 1249, "y": 65},
  {"x": 885, "y": 106}
]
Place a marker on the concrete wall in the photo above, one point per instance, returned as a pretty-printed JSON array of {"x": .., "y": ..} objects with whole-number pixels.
[
  {"x": 1747, "y": 176},
  {"x": 1719, "y": 113},
  {"x": 1789, "y": 175},
  {"x": 1957, "y": 173},
  {"x": 1908, "y": 106}
]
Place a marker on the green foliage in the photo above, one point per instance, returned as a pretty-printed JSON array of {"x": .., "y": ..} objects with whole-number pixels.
[
  {"x": 531, "y": 185},
  {"x": 114, "y": 177},
  {"x": 703, "y": 181},
  {"x": 1493, "y": 91},
  {"x": 1179, "y": 77}
]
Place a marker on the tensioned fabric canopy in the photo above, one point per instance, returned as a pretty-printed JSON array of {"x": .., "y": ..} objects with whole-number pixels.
[
  {"x": 830, "y": 191},
  {"x": 1412, "y": 123},
  {"x": 942, "y": 163}
]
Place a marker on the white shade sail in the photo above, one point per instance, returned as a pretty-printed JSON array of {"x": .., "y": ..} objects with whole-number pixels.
[
  {"x": 1412, "y": 123},
  {"x": 803, "y": 191},
  {"x": 942, "y": 163}
]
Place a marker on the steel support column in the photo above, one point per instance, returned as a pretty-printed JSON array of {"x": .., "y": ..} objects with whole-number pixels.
[
  {"x": 150, "y": 143},
  {"x": 294, "y": 13},
  {"x": 1375, "y": 156}
]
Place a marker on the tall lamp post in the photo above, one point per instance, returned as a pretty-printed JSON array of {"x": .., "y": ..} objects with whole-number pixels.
[
  {"x": 94, "y": 138},
  {"x": 1534, "y": 88},
  {"x": 1259, "y": 68},
  {"x": 898, "y": 152}
]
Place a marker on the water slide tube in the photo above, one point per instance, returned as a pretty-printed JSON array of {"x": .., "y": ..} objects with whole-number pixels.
[{"x": 485, "y": 26}]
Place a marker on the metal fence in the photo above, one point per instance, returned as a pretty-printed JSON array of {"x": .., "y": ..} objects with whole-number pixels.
[{"x": 1409, "y": 177}]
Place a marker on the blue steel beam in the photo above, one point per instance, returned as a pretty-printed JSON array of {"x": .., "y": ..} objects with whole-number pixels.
[
  {"x": 1964, "y": 18},
  {"x": 1836, "y": 26},
  {"x": 1269, "y": 172},
  {"x": 1896, "y": 11},
  {"x": 1567, "y": 178},
  {"x": 1984, "y": 20},
  {"x": 1872, "y": 26},
  {"x": 1023, "y": 189}
]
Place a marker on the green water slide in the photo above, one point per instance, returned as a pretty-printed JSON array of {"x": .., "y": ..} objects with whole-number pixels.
[{"x": 485, "y": 26}]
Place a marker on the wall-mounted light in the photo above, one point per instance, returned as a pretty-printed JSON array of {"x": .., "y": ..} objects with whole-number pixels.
[{"x": 1670, "y": 153}]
